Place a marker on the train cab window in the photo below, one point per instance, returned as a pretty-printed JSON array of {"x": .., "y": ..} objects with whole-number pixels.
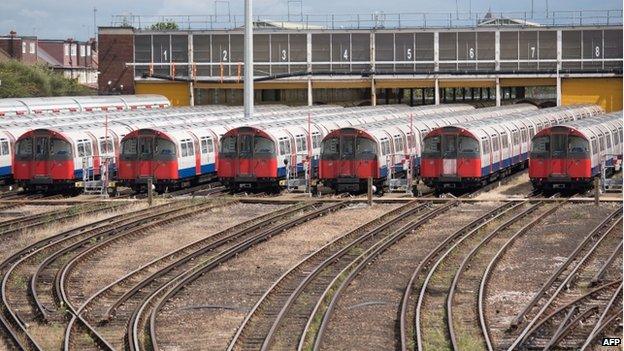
[
  {"x": 25, "y": 147},
  {"x": 578, "y": 147},
  {"x": 163, "y": 148},
  {"x": 449, "y": 147},
  {"x": 263, "y": 146},
  {"x": 467, "y": 146},
  {"x": 129, "y": 148},
  {"x": 431, "y": 147},
  {"x": 228, "y": 146},
  {"x": 245, "y": 145},
  {"x": 329, "y": 148},
  {"x": 347, "y": 146},
  {"x": 540, "y": 147},
  {"x": 60, "y": 149},
  {"x": 365, "y": 149},
  {"x": 558, "y": 145},
  {"x": 41, "y": 146},
  {"x": 206, "y": 145},
  {"x": 4, "y": 147}
]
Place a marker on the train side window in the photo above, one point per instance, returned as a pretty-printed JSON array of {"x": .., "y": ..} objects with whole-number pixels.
[
  {"x": 316, "y": 140},
  {"x": 4, "y": 147},
  {"x": 594, "y": 146},
  {"x": 301, "y": 143},
  {"x": 284, "y": 146},
  {"x": 80, "y": 145},
  {"x": 515, "y": 138},
  {"x": 206, "y": 145},
  {"x": 505, "y": 141},
  {"x": 531, "y": 131},
  {"x": 485, "y": 146},
  {"x": 621, "y": 135},
  {"x": 601, "y": 142},
  {"x": 385, "y": 146},
  {"x": 398, "y": 143},
  {"x": 189, "y": 147},
  {"x": 524, "y": 135},
  {"x": 106, "y": 145},
  {"x": 608, "y": 141},
  {"x": 183, "y": 148},
  {"x": 494, "y": 143}
]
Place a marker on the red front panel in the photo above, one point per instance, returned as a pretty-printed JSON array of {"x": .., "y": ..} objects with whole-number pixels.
[
  {"x": 468, "y": 167},
  {"x": 265, "y": 168},
  {"x": 61, "y": 170},
  {"x": 165, "y": 169},
  {"x": 327, "y": 169},
  {"x": 259, "y": 168},
  {"x": 346, "y": 168},
  {"x": 144, "y": 168},
  {"x": 226, "y": 168},
  {"x": 55, "y": 170},
  {"x": 127, "y": 170},
  {"x": 245, "y": 166},
  {"x": 367, "y": 168},
  {"x": 430, "y": 167},
  {"x": 579, "y": 168},
  {"x": 558, "y": 166},
  {"x": 538, "y": 168}
]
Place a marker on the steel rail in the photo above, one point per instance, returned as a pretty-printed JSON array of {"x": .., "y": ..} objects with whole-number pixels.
[
  {"x": 172, "y": 287},
  {"x": 604, "y": 325},
  {"x": 564, "y": 329},
  {"x": 423, "y": 290},
  {"x": 364, "y": 259},
  {"x": 594, "y": 332},
  {"x": 62, "y": 275},
  {"x": 568, "y": 278},
  {"x": 598, "y": 276},
  {"x": 105, "y": 227},
  {"x": 403, "y": 210},
  {"x": 473, "y": 252},
  {"x": 403, "y": 323}
]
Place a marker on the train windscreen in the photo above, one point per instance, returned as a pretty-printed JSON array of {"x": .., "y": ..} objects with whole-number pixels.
[
  {"x": 431, "y": 147},
  {"x": 578, "y": 147},
  {"x": 467, "y": 147},
  {"x": 129, "y": 149},
  {"x": 24, "y": 149},
  {"x": 60, "y": 149},
  {"x": 228, "y": 147},
  {"x": 540, "y": 147},
  {"x": 263, "y": 147},
  {"x": 329, "y": 148},
  {"x": 164, "y": 149},
  {"x": 366, "y": 149}
]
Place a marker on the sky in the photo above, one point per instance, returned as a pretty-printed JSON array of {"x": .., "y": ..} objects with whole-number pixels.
[{"x": 63, "y": 19}]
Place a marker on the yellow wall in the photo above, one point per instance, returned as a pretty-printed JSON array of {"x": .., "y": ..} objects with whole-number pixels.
[
  {"x": 606, "y": 92},
  {"x": 176, "y": 92}
]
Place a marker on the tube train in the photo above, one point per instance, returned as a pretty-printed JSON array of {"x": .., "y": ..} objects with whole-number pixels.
[
  {"x": 349, "y": 156},
  {"x": 469, "y": 155},
  {"x": 179, "y": 155},
  {"x": 71, "y": 104},
  {"x": 570, "y": 155},
  {"x": 55, "y": 157},
  {"x": 259, "y": 156},
  {"x": 16, "y": 126}
]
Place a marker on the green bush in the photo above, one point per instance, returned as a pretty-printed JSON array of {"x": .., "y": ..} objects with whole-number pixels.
[{"x": 20, "y": 80}]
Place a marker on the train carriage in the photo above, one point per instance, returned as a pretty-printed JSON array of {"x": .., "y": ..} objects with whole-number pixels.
[
  {"x": 351, "y": 155},
  {"x": 569, "y": 155},
  {"x": 292, "y": 145},
  {"x": 469, "y": 155}
]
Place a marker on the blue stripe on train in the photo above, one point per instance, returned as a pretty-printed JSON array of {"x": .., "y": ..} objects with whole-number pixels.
[
  {"x": 190, "y": 171},
  {"x": 506, "y": 163},
  {"x": 6, "y": 170}
]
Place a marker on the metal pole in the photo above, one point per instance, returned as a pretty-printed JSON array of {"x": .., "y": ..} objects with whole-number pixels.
[
  {"x": 248, "y": 81},
  {"x": 597, "y": 191},
  {"x": 150, "y": 191},
  {"x": 369, "y": 195}
]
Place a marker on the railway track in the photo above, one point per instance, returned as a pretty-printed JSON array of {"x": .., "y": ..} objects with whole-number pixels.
[
  {"x": 36, "y": 301},
  {"x": 143, "y": 326},
  {"x": 279, "y": 317},
  {"x": 565, "y": 283}
]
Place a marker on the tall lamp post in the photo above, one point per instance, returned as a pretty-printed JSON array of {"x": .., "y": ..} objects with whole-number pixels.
[{"x": 248, "y": 64}]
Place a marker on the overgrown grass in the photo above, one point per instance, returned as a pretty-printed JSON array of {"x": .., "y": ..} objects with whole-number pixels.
[{"x": 21, "y": 80}]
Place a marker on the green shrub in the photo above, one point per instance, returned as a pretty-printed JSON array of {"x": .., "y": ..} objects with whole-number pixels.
[{"x": 20, "y": 80}]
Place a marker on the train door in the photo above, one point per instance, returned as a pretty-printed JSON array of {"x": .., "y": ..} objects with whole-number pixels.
[
  {"x": 347, "y": 156},
  {"x": 245, "y": 154},
  {"x": 449, "y": 155},
  {"x": 207, "y": 152},
  {"x": 41, "y": 153},
  {"x": 145, "y": 155},
  {"x": 558, "y": 154}
]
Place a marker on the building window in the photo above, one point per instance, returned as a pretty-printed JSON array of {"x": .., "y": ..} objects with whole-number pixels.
[
  {"x": 83, "y": 51},
  {"x": 88, "y": 50},
  {"x": 73, "y": 50},
  {"x": 32, "y": 47},
  {"x": 23, "y": 47},
  {"x": 66, "y": 49}
]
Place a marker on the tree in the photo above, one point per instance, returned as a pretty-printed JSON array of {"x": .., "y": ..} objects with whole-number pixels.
[{"x": 164, "y": 26}]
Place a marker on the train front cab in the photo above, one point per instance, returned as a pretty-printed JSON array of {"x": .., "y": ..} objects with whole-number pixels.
[
  {"x": 146, "y": 154},
  {"x": 451, "y": 159},
  {"x": 348, "y": 158},
  {"x": 248, "y": 160},
  {"x": 560, "y": 159},
  {"x": 43, "y": 160}
]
